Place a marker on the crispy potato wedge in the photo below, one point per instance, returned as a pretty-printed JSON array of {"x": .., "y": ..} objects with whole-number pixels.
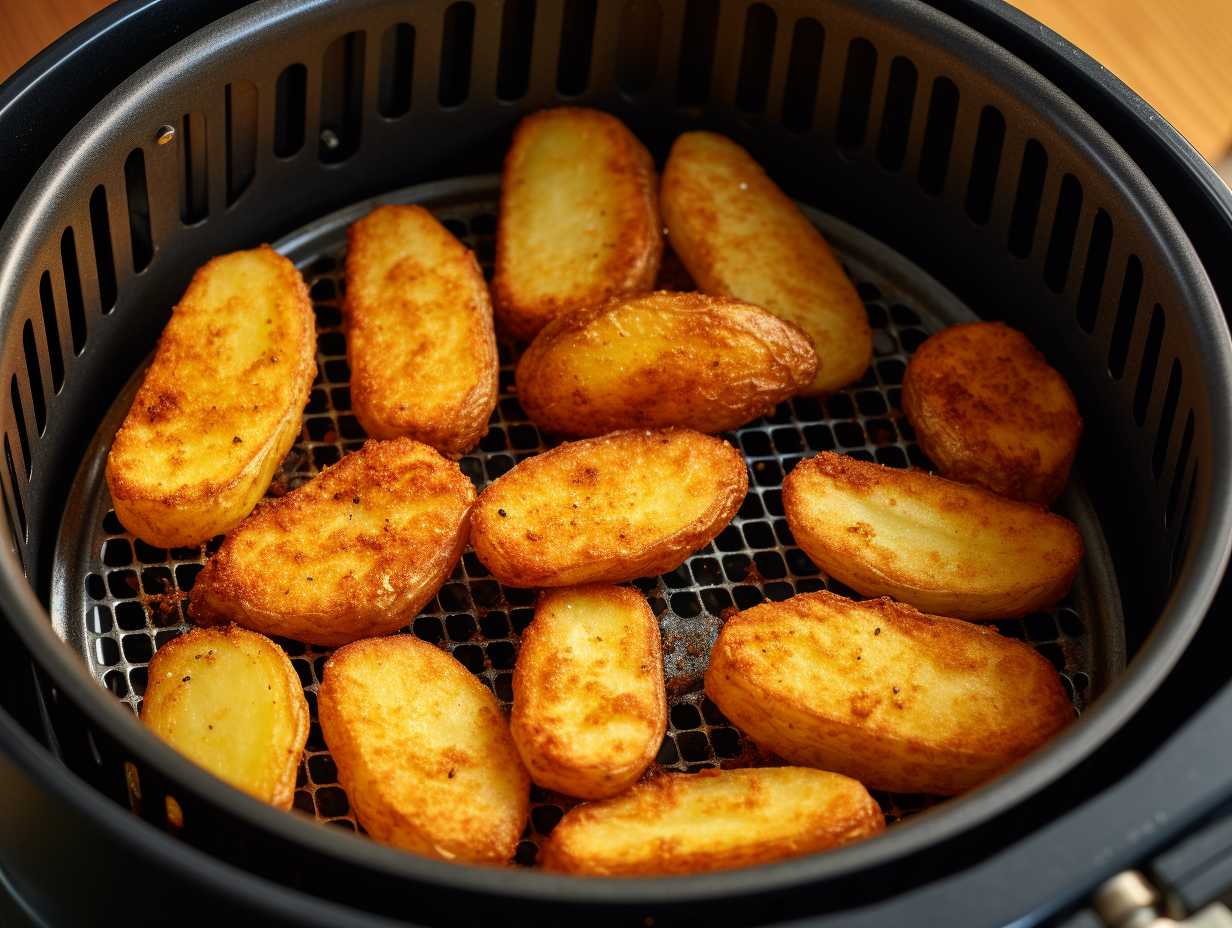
[
  {"x": 739, "y": 235},
  {"x": 229, "y": 700},
  {"x": 879, "y": 691},
  {"x": 988, "y": 409},
  {"x": 662, "y": 359},
  {"x": 423, "y": 751},
  {"x": 579, "y": 218},
  {"x": 589, "y": 709},
  {"x": 712, "y": 820},
  {"x": 608, "y": 509},
  {"x": 354, "y": 552},
  {"x": 945, "y": 547},
  {"x": 221, "y": 403},
  {"x": 419, "y": 331}
]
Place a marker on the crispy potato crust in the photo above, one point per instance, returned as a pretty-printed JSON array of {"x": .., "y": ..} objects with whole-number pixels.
[
  {"x": 712, "y": 820},
  {"x": 589, "y": 709},
  {"x": 660, "y": 360},
  {"x": 609, "y": 509},
  {"x": 739, "y": 235},
  {"x": 355, "y": 552},
  {"x": 579, "y": 218},
  {"x": 229, "y": 700},
  {"x": 988, "y": 409},
  {"x": 419, "y": 331},
  {"x": 876, "y": 690},
  {"x": 423, "y": 751},
  {"x": 946, "y": 547},
  {"x": 221, "y": 403}
]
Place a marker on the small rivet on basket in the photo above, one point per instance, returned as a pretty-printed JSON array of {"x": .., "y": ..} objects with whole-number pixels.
[
  {"x": 165, "y": 135},
  {"x": 329, "y": 139}
]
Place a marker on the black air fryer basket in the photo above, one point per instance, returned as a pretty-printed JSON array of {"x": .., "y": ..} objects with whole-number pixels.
[{"x": 954, "y": 180}]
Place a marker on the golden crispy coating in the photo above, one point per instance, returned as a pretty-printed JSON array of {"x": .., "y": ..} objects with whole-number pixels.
[
  {"x": 229, "y": 700},
  {"x": 945, "y": 547},
  {"x": 609, "y": 509},
  {"x": 739, "y": 235},
  {"x": 589, "y": 709},
  {"x": 221, "y": 403},
  {"x": 579, "y": 218},
  {"x": 876, "y": 690},
  {"x": 988, "y": 409},
  {"x": 659, "y": 360},
  {"x": 354, "y": 552},
  {"x": 712, "y": 820},
  {"x": 423, "y": 751},
  {"x": 419, "y": 331}
]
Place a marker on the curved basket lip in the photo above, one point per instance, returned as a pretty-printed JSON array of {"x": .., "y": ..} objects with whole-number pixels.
[{"x": 1211, "y": 541}]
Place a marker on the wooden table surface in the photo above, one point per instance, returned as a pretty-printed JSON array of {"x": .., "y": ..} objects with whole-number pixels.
[{"x": 1178, "y": 55}]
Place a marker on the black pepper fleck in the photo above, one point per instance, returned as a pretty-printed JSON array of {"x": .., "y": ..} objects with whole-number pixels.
[
  {"x": 186, "y": 678},
  {"x": 236, "y": 440},
  {"x": 877, "y": 631},
  {"x": 502, "y": 513}
]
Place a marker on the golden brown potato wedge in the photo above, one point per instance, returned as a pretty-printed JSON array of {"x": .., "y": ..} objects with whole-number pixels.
[
  {"x": 988, "y": 409},
  {"x": 712, "y": 820},
  {"x": 608, "y": 509},
  {"x": 945, "y": 547},
  {"x": 579, "y": 218},
  {"x": 229, "y": 700},
  {"x": 221, "y": 403},
  {"x": 662, "y": 359},
  {"x": 423, "y": 751},
  {"x": 589, "y": 710},
  {"x": 879, "y": 691},
  {"x": 419, "y": 331},
  {"x": 739, "y": 235},
  {"x": 354, "y": 552}
]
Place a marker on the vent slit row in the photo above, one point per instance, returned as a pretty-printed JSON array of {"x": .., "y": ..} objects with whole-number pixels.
[
  {"x": 1064, "y": 229},
  {"x": 577, "y": 36},
  {"x": 104, "y": 259},
  {"x": 1094, "y": 272},
  {"x": 290, "y": 110},
  {"x": 241, "y": 131},
  {"x": 1127, "y": 313},
  {"x": 803, "y": 72},
  {"x": 699, "y": 33},
  {"x": 517, "y": 32},
  {"x": 342, "y": 96},
  {"x": 896, "y": 116},
  {"x": 194, "y": 186},
  {"x": 34, "y": 377},
  {"x": 756, "y": 55},
  {"x": 457, "y": 46},
  {"x": 641, "y": 23},
  {"x": 1167, "y": 418},
  {"x": 1182, "y": 532},
  {"x": 1026, "y": 208},
  {"x": 72, "y": 290},
  {"x": 51, "y": 332},
  {"x": 1150, "y": 363},
  {"x": 852, "y": 123},
  {"x": 938, "y": 136},
  {"x": 23, "y": 437},
  {"x": 985, "y": 164},
  {"x": 397, "y": 70},
  {"x": 1182, "y": 462},
  {"x": 138, "y": 209},
  {"x": 21, "y": 509}
]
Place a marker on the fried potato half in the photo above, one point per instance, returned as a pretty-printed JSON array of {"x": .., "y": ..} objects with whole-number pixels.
[
  {"x": 229, "y": 700},
  {"x": 712, "y": 820},
  {"x": 423, "y": 751},
  {"x": 663, "y": 359},
  {"x": 419, "y": 331},
  {"x": 579, "y": 218},
  {"x": 879, "y": 691},
  {"x": 354, "y": 552},
  {"x": 988, "y": 409},
  {"x": 589, "y": 709},
  {"x": 220, "y": 404},
  {"x": 608, "y": 509},
  {"x": 945, "y": 547},
  {"x": 739, "y": 235}
]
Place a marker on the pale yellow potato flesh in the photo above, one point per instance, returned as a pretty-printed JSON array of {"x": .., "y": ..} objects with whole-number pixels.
[
  {"x": 944, "y": 547},
  {"x": 355, "y": 552},
  {"x": 677, "y": 824},
  {"x": 423, "y": 751},
  {"x": 879, "y": 691},
  {"x": 229, "y": 700},
  {"x": 579, "y": 218},
  {"x": 420, "y": 341},
  {"x": 221, "y": 403},
  {"x": 740, "y": 236},
  {"x": 659, "y": 360},
  {"x": 589, "y": 709}
]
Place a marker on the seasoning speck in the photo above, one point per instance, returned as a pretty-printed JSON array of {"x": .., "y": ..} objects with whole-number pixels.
[
  {"x": 502, "y": 513},
  {"x": 187, "y": 677},
  {"x": 355, "y": 500},
  {"x": 877, "y": 631},
  {"x": 236, "y": 440}
]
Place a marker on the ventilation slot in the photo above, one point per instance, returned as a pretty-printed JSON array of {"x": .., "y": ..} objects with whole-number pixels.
[
  {"x": 938, "y": 135},
  {"x": 1127, "y": 312},
  {"x": 51, "y": 330},
  {"x": 1182, "y": 461},
  {"x": 1150, "y": 363},
  {"x": 1027, "y": 199},
  {"x": 342, "y": 98},
  {"x": 985, "y": 163},
  {"x": 577, "y": 36},
  {"x": 241, "y": 137},
  {"x": 1166, "y": 419},
  {"x": 698, "y": 34},
  {"x": 457, "y": 43},
  {"x": 104, "y": 260},
  {"x": 856, "y": 95},
  {"x": 35, "y": 378},
  {"x": 755, "y": 57},
  {"x": 1064, "y": 228},
  {"x": 1093, "y": 274},
  {"x": 72, "y": 290},
  {"x": 19, "y": 416},
  {"x": 397, "y": 68},
  {"x": 194, "y": 186},
  {"x": 21, "y": 510},
  {"x": 896, "y": 116},
  {"x": 803, "y": 71},
  {"x": 1182, "y": 534},
  {"x": 138, "y": 210},
  {"x": 641, "y": 21},
  {"x": 517, "y": 35},
  {"x": 290, "y": 110}
]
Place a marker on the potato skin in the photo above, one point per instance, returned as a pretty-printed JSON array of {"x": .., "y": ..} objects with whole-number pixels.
[
  {"x": 420, "y": 341},
  {"x": 579, "y": 218},
  {"x": 712, "y": 820},
  {"x": 354, "y": 552},
  {"x": 609, "y": 509},
  {"x": 900, "y": 700},
  {"x": 423, "y": 751},
  {"x": 221, "y": 403},
  {"x": 659, "y": 360},
  {"x": 947, "y": 548},
  {"x": 229, "y": 700},
  {"x": 739, "y": 235},
  {"x": 589, "y": 708}
]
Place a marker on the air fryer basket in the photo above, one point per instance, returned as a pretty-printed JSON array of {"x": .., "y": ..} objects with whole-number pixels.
[{"x": 949, "y": 158}]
